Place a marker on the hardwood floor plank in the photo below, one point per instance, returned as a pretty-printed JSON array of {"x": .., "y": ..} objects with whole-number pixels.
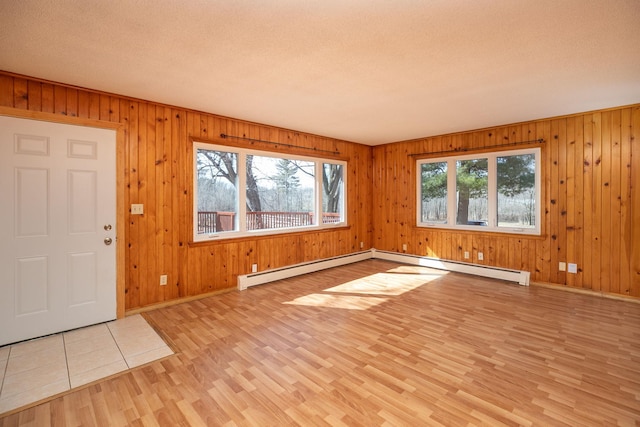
[{"x": 376, "y": 343}]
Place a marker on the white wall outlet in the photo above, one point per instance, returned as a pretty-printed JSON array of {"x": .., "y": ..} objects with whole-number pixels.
[
  {"x": 163, "y": 280},
  {"x": 254, "y": 268},
  {"x": 404, "y": 246},
  {"x": 573, "y": 268},
  {"x": 361, "y": 245},
  {"x": 562, "y": 266},
  {"x": 480, "y": 256},
  {"x": 137, "y": 209},
  {"x": 466, "y": 255}
]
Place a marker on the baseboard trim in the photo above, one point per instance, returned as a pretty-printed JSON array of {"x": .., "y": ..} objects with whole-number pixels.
[
  {"x": 590, "y": 292},
  {"x": 247, "y": 280},
  {"x": 176, "y": 301},
  {"x": 520, "y": 277}
]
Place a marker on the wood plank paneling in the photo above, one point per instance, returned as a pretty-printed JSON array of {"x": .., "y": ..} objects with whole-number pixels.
[
  {"x": 157, "y": 159},
  {"x": 635, "y": 202},
  {"x": 590, "y": 212},
  {"x": 594, "y": 220}
]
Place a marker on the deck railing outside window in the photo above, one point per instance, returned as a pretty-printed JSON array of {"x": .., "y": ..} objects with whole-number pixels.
[{"x": 213, "y": 222}]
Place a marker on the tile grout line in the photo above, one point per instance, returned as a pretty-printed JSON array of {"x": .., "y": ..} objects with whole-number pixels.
[
  {"x": 117, "y": 345},
  {"x": 4, "y": 371},
  {"x": 66, "y": 359}
]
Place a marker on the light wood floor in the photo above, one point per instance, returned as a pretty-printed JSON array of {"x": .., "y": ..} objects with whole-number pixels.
[{"x": 377, "y": 343}]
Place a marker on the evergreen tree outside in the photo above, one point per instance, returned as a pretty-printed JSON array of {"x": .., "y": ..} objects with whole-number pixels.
[
  {"x": 516, "y": 190},
  {"x": 472, "y": 185},
  {"x": 434, "y": 191}
]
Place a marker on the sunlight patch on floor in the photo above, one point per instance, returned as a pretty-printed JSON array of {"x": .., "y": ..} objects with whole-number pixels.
[
  {"x": 348, "y": 302},
  {"x": 391, "y": 283},
  {"x": 396, "y": 283}
]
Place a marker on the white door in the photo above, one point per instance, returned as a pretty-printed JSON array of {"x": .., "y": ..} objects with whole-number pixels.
[{"x": 57, "y": 227}]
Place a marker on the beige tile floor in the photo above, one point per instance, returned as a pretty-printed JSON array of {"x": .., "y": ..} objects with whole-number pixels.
[{"x": 36, "y": 369}]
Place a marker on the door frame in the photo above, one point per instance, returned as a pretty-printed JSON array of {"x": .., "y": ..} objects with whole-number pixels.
[{"x": 120, "y": 179}]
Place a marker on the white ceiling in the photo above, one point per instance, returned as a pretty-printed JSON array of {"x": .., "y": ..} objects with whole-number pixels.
[{"x": 368, "y": 71}]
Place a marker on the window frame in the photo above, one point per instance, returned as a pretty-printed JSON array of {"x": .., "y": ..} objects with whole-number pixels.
[
  {"x": 492, "y": 192},
  {"x": 241, "y": 209}
]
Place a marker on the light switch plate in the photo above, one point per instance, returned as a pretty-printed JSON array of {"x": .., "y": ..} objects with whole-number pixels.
[{"x": 137, "y": 209}]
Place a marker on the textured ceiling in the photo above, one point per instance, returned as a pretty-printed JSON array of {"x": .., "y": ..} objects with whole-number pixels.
[{"x": 368, "y": 71}]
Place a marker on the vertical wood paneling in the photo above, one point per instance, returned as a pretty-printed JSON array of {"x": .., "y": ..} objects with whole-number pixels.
[
  {"x": 596, "y": 206},
  {"x": 635, "y": 202},
  {"x": 47, "y": 98},
  {"x": 576, "y": 206},
  {"x": 590, "y": 211},
  {"x": 147, "y": 133},
  {"x": 104, "y": 107},
  {"x": 543, "y": 247},
  {"x": 94, "y": 106},
  {"x": 129, "y": 117},
  {"x": 72, "y": 103},
  {"x": 59, "y": 100},
  {"x": 594, "y": 222},
  {"x": 571, "y": 200},
  {"x": 605, "y": 214},
  {"x": 6, "y": 91},
  {"x": 20, "y": 94},
  {"x": 587, "y": 181},
  {"x": 626, "y": 227},
  {"x": 83, "y": 104},
  {"x": 615, "y": 194},
  {"x": 180, "y": 199},
  {"x": 35, "y": 95},
  {"x": 554, "y": 143},
  {"x": 561, "y": 201}
]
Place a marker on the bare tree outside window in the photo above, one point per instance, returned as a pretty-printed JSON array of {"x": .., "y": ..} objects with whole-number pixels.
[{"x": 278, "y": 192}]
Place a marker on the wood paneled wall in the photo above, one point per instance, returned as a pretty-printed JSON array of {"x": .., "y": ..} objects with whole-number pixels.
[
  {"x": 591, "y": 201},
  {"x": 158, "y": 174}
]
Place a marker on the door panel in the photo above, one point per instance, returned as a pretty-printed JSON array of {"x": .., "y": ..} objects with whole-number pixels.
[
  {"x": 31, "y": 202},
  {"x": 57, "y": 194},
  {"x": 82, "y": 201},
  {"x": 32, "y": 285}
]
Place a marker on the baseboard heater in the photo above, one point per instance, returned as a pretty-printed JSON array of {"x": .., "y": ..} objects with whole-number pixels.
[
  {"x": 520, "y": 277},
  {"x": 247, "y": 280},
  {"x": 267, "y": 276}
]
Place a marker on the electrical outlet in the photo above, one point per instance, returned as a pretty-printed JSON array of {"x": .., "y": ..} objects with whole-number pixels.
[
  {"x": 361, "y": 245},
  {"x": 163, "y": 279},
  {"x": 466, "y": 255},
  {"x": 573, "y": 268},
  {"x": 254, "y": 268},
  {"x": 480, "y": 256},
  {"x": 562, "y": 266},
  {"x": 137, "y": 209},
  {"x": 404, "y": 246}
]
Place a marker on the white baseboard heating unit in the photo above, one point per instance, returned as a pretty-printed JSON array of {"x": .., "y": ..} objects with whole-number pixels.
[
  {"x": 520, "y": 277},
  {"x": 247, "y": 280},
  {"x": 267, "y": 276}
]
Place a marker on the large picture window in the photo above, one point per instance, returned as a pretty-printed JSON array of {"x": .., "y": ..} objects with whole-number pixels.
[
  {"x": 490, "y": 192},
  {"x": 246, "y": 192}
]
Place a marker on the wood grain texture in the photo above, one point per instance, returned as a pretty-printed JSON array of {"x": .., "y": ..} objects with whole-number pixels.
[
  {"x": 590, "y": 175},
  {"x": 376, "y": 343},
  {"x": 591, "y": 212},
  {"x": 155, "y": 153}
]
